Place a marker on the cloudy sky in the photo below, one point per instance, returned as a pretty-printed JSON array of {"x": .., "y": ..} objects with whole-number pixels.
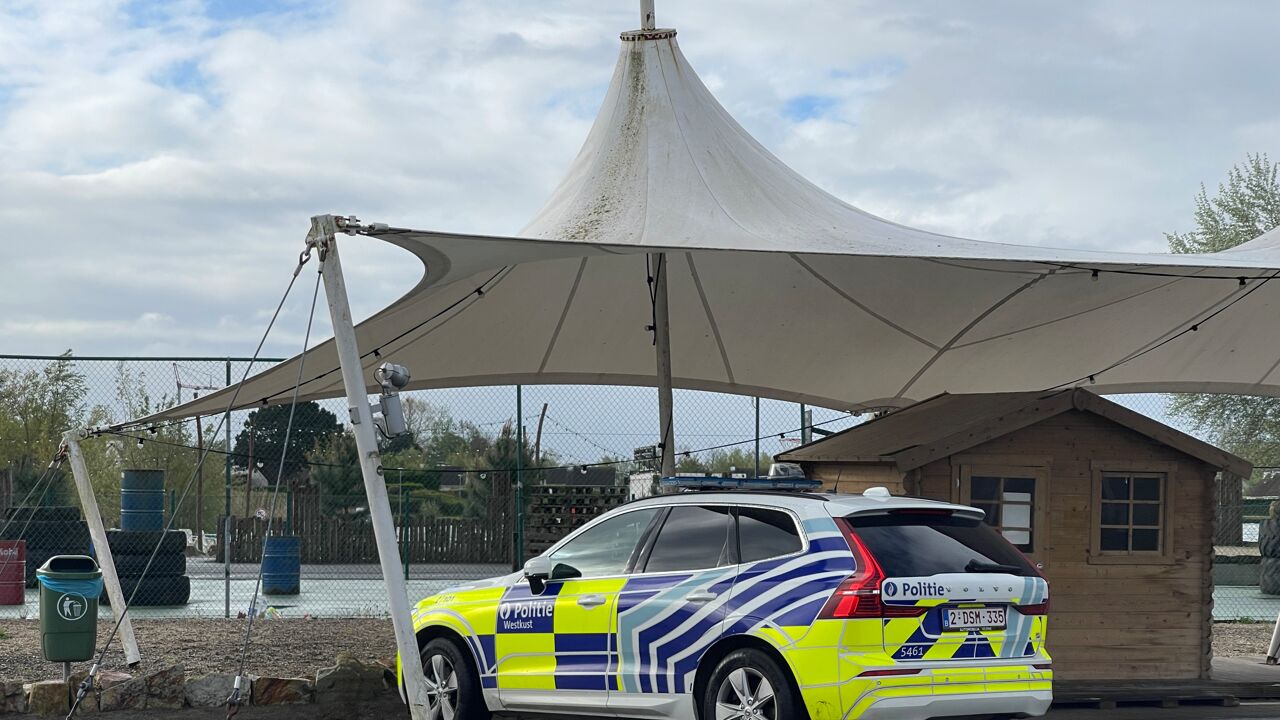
[{"x": 161, "y": 159}]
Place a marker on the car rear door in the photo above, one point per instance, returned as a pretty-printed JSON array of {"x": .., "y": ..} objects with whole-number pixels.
[
  {"x": 952, "y": 588},
  {"x": 671, "y": 610}
]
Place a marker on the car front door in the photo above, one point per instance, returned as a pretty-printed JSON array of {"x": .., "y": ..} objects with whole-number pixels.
[
  {"x": 554, "y": 649},
  {"x": 672, "y": 608}
]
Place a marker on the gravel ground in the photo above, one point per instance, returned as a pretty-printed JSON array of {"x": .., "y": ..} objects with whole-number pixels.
[
  {"x": 291, "y": 648},
  {"x": 280, "y": 648},
  {"x": 1239, "y": 638}
]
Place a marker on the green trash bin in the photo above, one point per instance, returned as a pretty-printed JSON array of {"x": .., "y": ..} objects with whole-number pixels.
[{"x": 69, "y": 589}]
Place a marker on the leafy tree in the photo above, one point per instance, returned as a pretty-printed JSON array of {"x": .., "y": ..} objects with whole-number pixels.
[
  {"x": 36, "y": 408},
  {"x": 336, "y": 471},
  {"x": 312, "y": 425},
  {"x": 1244, "y": 207}
]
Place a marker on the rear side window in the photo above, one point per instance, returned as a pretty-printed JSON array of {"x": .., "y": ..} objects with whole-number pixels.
[
  {"x": 694, "y": 537},
  {"x": 766, "y": 534},
  {"x": 919, "y": 545}
]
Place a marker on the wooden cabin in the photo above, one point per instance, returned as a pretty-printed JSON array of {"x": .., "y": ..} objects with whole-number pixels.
[{"x": 1117, "y": 507}]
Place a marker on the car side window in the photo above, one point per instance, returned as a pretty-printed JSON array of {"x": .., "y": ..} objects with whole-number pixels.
[
  {"x": 693, "y": 537},
  {"x": 605, "y": 549},
  {"x": 766, "y": 534}
]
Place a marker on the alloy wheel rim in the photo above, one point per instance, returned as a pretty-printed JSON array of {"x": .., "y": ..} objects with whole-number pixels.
[
  {"x": 442, "y": 688},
  {"x": 745, "y": 694}
]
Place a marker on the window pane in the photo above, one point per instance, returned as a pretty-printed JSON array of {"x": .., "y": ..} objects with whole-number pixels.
[
  {"x": 992, "y": 511},
  {"x": 1016, "y": 516},
  {"x": 1019, "y": 484},
  {"x": 1115, "y": 513},
  {"x": 984, "y": 488},
  {"x": 1146, "y": 488},
  {"x": 1113, "y": 539},
  {"x": 606, "y": 548},
  {"x": 1115, "y": 487},
  {"x": 1146, "y": 514},
  {"x": 766, "y": 534},
  {"x": 692, "y": 538},
  {"x": 1021, "y": 538},
  {"x": 1146, "y": 540}
]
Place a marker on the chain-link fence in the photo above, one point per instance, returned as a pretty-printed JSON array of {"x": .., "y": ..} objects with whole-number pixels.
[{"x": 579, "y": 450}]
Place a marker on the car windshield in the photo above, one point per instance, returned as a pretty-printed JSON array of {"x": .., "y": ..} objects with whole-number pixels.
[{"x": 919, "y": 545}]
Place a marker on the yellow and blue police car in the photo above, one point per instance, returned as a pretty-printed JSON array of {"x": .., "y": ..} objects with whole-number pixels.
[{"x": 752, "y": 605}]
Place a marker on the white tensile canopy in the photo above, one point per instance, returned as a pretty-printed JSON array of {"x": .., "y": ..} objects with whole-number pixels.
[{"x": 778, "y": 289}]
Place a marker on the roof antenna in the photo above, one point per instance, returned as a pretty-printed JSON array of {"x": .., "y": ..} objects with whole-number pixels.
[{"x": 647, "y": 21}]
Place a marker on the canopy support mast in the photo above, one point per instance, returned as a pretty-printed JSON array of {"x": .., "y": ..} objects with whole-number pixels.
[
  {"x": 647, "y": 21},
  {"x": 324, "y": 229},
  {"x": 98, "y": 534},
  {"x": 662, "y": 349}
]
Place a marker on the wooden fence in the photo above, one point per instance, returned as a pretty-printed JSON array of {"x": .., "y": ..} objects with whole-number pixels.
[{"x": 347, "y": 541}]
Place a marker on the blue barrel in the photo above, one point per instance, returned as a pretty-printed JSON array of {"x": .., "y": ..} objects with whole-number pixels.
[
  {"x": 142, "y": 500},
  {"x": 281, "y": 565}
]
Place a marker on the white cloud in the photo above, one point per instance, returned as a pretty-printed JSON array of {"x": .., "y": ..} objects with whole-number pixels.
[{"x": 161, "y": 162}]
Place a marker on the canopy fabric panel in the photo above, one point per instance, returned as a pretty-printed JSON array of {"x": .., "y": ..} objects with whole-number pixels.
[{"x": 781, "y": 290}]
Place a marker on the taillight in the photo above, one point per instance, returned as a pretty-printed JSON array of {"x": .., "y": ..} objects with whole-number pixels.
[
  {"x": 1037, "y": 609},
  {"x": 858, "y": 597}
]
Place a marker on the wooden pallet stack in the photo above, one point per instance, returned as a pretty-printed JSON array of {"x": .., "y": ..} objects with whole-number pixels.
[{"x": 553, "y": 511}]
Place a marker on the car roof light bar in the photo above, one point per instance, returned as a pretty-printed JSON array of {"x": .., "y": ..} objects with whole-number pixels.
[{"x": 744, "y": 483}]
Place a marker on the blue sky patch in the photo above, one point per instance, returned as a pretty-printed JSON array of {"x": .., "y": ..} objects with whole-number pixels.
[{"x": 808, "y": 107}]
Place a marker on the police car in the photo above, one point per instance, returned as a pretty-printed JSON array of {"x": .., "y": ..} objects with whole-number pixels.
[{"x": 759, "y": 605}]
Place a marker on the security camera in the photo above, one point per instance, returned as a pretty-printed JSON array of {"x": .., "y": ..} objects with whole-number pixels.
[{"x": 391, "y": 376}]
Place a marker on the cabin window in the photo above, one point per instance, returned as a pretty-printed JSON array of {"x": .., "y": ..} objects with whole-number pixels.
[
  {"x": 1130, "y": 513},
  {"x": 1012, "y": 497}
]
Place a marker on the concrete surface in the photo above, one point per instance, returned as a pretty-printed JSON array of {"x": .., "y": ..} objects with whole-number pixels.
[{"x": 1245, "y": 669}]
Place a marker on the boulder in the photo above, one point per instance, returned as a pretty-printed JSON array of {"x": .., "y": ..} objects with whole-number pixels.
[
  {"x": 165, "y": 688},
  {"x": 213, "y": 690},
  {"x": 104, "y": 679},
  {"x": 47, "y": 697},
  {"x": 13, "y": 698},
  {"x": 130, "y": 694},
  {"x": 350, "y": 681},
  {"x": 281, "y": 691}
]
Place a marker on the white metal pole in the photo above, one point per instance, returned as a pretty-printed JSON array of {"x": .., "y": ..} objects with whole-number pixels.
[
  {"x": 647, "y": 21},
  {"x": 98, "y": 533},
  {"x": 1273, "y": 648},
  {"x": 662, "y": 348},
  {"x": 324, "y": 228}
]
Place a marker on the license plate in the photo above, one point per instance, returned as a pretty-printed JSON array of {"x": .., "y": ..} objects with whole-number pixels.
[{"x": 988, "y": 618}]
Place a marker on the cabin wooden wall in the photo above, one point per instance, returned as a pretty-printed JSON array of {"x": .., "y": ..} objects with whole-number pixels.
[
  {"x": 1107, "y": 621},
  {"x": 853, "y": 478}
]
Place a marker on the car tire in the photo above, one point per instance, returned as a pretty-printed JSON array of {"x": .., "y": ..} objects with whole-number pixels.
[
  {"x": 444, "y": 664},
  {"x": 750, "y": 678},
  {"x": 142, "y": 542},
  {"x": 165, "y": 564}
]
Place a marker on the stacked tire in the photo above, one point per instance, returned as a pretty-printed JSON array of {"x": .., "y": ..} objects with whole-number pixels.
[
  {"x": 151, "y": 581},
  {"x": 1269, "y": 549},
  {"x": 49, "y": 531}
]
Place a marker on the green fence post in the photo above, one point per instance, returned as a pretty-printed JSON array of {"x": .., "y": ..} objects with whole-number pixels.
[
  {"x": 226, "y": 509},
  {"x": 519, "y": 555}
]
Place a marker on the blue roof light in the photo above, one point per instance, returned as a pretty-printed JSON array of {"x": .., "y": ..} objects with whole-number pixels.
[{"x": 753, "y": 483}]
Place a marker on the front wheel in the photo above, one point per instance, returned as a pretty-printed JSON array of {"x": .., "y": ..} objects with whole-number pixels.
[
  {"x": 453, "y": 689},
  {"x": 749, "y": 685}
]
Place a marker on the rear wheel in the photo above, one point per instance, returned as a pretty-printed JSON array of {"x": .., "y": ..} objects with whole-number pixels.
[
  {"x": 453, "y": 689},
  {"x": 749, "y": 685}
]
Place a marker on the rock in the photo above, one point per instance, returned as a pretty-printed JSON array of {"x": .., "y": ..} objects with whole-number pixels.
[
  {"x": 105, "y": 679},
  {"x": 213, "y": 690},
  {"x": 350, "y": 681},
  {"x": 165, "y": 688},
  {"x": 13, "y": 698},
  {"x": 130, "y": 694},
  {"x": 281, "y": 691},
  {"x": 47, "y": 697}
]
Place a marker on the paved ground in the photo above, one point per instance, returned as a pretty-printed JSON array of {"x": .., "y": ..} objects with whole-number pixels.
[{"x": 327, "y": 590}]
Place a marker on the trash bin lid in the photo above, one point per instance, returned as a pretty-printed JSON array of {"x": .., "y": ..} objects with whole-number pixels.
[{"x": 75, "y": 564}]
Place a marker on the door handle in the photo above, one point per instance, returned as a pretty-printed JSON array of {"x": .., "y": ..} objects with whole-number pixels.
[
  {"x": 590, "y": 601},
  {"x": 701, "y": 597}
]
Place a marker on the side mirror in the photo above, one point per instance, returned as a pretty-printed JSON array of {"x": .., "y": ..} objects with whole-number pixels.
[{"x": 536, "y": 571}]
